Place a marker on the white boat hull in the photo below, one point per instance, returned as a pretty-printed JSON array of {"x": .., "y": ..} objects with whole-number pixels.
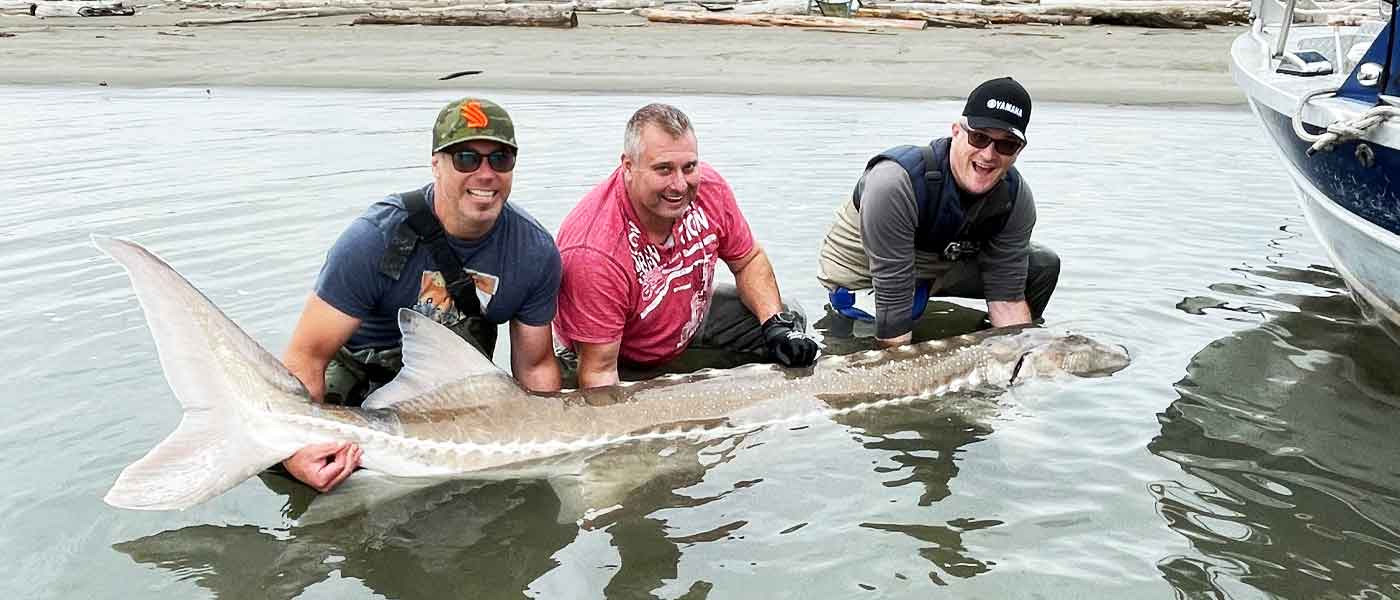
[
  {"x": 1366, "y": 256},
  {"x": 1352, "y": 207}
]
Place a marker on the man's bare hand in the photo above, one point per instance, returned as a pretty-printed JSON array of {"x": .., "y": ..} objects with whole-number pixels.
[{"x": 324, "y": 466}]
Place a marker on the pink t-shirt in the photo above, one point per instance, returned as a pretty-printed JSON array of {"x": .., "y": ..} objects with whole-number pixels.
[{"x": 618, "y": 285}]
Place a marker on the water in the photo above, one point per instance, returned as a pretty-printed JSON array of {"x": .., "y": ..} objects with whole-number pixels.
[{"x": 1247, "y": 452}]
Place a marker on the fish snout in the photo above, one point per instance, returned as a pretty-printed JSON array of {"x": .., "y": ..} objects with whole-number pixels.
[{"x": 1111, "y": 359}]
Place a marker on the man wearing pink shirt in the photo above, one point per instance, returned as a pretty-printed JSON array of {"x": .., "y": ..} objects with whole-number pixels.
[{"x": 639, "y": 255}]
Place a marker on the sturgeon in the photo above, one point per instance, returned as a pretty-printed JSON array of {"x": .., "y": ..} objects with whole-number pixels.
[{"x": 452, "y": 413}]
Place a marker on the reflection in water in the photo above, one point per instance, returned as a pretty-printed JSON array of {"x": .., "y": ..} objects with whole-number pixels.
[
  {"x": 922, "y": 441},
  {"x": 1291, "y": 425},
  {"x": 921, "y": 444},
  {"x": 649, "y": 558},
  {"x": 947, "y": 551},
  {"x": 464, "y": 539},
  {"x": 460, "y": 538}
]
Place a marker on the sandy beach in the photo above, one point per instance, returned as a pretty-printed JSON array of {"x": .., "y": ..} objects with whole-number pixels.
[{"x": 621, "y": 53}]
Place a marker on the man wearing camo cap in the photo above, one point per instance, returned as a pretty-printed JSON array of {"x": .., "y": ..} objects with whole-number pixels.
[
  {"x": 952, "y": 217},
  {"x": 454, "y": 250}
]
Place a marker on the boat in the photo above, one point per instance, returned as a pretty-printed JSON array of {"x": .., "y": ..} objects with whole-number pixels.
[{"x": 1325, "y": 83}]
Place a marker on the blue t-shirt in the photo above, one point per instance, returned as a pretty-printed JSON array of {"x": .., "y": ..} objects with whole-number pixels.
[{"x": 515, "y": 267}]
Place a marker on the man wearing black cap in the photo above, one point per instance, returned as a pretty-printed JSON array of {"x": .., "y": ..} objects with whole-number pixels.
[{"x": 950, "y": 218}]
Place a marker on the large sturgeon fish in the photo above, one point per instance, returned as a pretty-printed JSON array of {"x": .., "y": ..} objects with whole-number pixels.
[{"x": 452, "y": 413}]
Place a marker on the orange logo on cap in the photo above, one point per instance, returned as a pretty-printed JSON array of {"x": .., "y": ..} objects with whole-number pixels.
[{"x": 476, "y": 118}]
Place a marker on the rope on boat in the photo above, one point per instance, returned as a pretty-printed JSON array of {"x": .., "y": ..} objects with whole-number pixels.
[{"x": 1342, "y": 130}]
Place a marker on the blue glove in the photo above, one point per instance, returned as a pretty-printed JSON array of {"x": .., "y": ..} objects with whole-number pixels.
[{"x": 786, "y": 345}]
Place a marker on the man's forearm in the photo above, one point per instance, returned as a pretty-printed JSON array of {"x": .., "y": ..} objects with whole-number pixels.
[
  {"x": 540, "y": 375},
  {"x": 894, "y": 341},
  {"x": 894, "y": 307},
  {"x": 597, "y": 378},
  {"x": 1003, "y": 314},
  {"x": 532, "y": 357},
  {"x": 311, "y": 373},
  {"x": 758, "y": 287},
  {"x": 597, "y": 364},
  {"x": 320, "y": 332}
]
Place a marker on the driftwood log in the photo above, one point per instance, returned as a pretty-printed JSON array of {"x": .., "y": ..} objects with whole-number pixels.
[
  {"x": 774, "y": 7},
  {"x": 1186, "y": 15},
  {"x": 517, "y": 16},
  {"x": 373, "y": 5},
  {"x": 283, "y": 14},
  {"x": 670, "y": 16},
  {"x": 1146, "y": 4},
  {"x": 49, "y": 8},
  {"x": 839, "y": 30},
  {"x": 1050, "y": 5},
  {"x": 970, "y": 18},
  {"x": 496, "y": 7},
  {"x": 887, "y": 3},
  {"x": 926, "y": 16},
  {"x": 591, "y": 5},
  {"x": 288, "y": 4},
  {"x": 1182, "y": 17},
  {"x": 387, "y": 5},
  {"x": 1167, "y": 17}
]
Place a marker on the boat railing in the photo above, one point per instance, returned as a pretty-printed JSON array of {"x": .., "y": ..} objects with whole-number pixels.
[
  {"x": 1366, "y": 80},
  {"x": 1283, "y": 14}
]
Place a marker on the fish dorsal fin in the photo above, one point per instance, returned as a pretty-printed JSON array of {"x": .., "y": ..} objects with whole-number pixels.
[{"x": 433, "y": 356}]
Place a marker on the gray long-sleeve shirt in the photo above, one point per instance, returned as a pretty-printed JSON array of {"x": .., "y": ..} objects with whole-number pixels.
[{"x": 874, "y": 247}]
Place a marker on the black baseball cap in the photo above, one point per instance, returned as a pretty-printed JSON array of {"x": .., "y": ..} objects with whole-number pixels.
[{"x": 999, "y": 104}]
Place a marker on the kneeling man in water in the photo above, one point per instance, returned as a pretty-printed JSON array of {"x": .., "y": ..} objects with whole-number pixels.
[
  {"x": 949, "y": 218},
  {"x": 639, "y": 255},
  {"x": 454, "y": 250}
]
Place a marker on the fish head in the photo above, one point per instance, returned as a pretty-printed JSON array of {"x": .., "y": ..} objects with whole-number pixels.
[{"x": 1042, "y": 353}]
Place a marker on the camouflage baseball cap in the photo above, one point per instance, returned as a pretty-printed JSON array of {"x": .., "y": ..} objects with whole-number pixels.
[{"x": 472, "y": 119}]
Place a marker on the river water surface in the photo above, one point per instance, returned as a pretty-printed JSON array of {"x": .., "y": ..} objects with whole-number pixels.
[{"x": 1248, "y": 452}]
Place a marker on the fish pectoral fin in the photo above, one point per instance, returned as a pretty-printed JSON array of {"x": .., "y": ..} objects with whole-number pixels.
[
  {"x": 433, "y": 356},
  {"x": 362, "y": 492},
  {"x": 582, "y": 498},
  {"x": 573, "y": 504},
  {"x": 611, "y": 479}
]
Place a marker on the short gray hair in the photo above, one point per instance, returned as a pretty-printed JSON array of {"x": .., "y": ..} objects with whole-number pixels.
[{"x": 669, "y": 118}]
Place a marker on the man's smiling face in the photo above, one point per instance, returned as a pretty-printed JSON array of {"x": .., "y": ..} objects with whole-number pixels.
[{"x": 978, "y": 170}]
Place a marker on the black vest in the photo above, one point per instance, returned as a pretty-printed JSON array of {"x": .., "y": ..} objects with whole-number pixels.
[
  {"x": 944, "y": 227},
  {"x": 421, "y": 225}
]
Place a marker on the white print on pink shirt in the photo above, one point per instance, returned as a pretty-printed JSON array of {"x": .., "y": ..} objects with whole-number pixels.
[
  {"x": 699, "y": 301},
  {"x": 691, "y": 269},
  {"x": 644, "y": 258}
]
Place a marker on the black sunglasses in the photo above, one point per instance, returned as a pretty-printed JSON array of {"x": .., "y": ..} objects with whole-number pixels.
[
  {"x": 468, "y": 161},
  {"x": 980, "y": 140}
]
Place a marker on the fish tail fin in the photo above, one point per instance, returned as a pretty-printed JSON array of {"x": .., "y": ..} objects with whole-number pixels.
[
  {"x": 224, "y": 380},
  {"x": 202, "y": 458}
]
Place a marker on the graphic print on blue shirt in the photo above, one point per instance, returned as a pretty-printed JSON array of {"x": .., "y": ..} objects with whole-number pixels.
[{"x": 435, "y": 303}]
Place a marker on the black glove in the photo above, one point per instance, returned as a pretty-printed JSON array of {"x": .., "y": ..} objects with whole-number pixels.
[{"x": 786, "y": 345}]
